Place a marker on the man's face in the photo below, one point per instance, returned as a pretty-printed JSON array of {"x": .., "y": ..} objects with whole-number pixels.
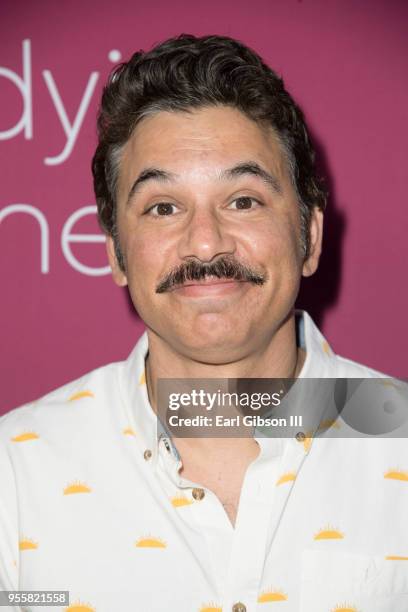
[{"x": 213, "y": 187}]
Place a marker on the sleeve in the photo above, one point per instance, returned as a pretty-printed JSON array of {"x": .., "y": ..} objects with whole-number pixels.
[{"x": 9, "y": 551}]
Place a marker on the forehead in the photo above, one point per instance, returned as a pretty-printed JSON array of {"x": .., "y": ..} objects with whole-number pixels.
[{"x": 199, "y": 144}]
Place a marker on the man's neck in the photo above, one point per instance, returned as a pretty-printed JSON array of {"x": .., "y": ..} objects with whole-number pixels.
[{"x": 277, "y": 357}]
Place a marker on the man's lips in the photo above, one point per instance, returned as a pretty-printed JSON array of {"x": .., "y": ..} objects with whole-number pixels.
[
  {"x": 209, "y": 281},
  {"x": 208, "y": 286}
]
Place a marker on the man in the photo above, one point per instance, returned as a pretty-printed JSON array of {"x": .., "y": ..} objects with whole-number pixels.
[{"x": 206, "y": 188}]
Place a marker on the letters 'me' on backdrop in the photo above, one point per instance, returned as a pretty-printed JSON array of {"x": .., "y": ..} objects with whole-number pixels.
[{"x": 345, "y": 62}]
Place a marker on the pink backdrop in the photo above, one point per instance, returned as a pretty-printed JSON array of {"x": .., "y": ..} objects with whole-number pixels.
[{"x": 345, "y": 61}]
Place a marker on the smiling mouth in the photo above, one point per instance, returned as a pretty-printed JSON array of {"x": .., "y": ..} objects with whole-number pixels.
[
  {"x": 209, "y": 286},
  {"x": 210, "y": 280}
]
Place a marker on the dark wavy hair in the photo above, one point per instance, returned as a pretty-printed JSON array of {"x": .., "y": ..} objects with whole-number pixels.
[{"x": 188, "y": 72}]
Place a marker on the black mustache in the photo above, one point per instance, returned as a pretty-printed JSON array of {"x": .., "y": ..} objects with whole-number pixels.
[{"x": 228, "y": 268}]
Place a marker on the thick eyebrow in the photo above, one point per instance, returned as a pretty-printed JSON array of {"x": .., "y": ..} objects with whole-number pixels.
[
  {"x": 149, "y": 174},
  {"x": 244, "y": 168},
  {"x": 254, "y": 169}
]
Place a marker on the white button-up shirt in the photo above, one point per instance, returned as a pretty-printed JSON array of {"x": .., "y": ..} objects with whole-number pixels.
[{"x": 93, "y": 503}]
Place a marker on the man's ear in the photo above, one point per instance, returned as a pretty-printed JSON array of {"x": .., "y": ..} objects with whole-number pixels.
[
  {"x": 117, "y": 273},
  {"x": 316, "y": 236}
]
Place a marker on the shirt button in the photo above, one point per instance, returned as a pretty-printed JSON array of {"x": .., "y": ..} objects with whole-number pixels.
[
  {"x": 238, "y": 607},
  {"x": 300, "y": 436},
  {"x": 198, "y": 494},
  {"x": 147, "y": 454}
]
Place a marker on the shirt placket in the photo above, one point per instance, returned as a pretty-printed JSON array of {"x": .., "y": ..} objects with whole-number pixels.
[
  {"x": 209, "y": 518},
  {"x": 261, "y": 507}
]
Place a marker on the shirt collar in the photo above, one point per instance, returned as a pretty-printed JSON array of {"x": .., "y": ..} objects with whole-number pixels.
[
  {"x": 150, "y": 431},
  {"x": 142, "y": 419},
  {"x": 320, "y": 359}
]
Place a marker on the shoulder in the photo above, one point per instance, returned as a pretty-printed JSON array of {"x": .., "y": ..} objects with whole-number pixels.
[
  {"x": 321, "y": 359},
  {"x": 59, "y": 408},
  {"x": 346, "y": 368}
]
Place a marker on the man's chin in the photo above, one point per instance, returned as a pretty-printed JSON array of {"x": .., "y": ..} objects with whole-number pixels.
[{"x": 211, "y": 342}]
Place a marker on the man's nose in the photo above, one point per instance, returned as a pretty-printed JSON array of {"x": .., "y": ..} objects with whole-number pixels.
[{"x": 205, "y": 237}]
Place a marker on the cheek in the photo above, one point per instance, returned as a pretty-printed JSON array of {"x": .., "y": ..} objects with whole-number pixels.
[
  {"x": 276, "y": 245},
  {"x": 147, "y": 260},
  {"x": 146, "y": 248},
  {"x": 142, "y": 259}
]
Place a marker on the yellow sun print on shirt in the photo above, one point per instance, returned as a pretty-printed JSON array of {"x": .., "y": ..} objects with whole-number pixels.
[
  {"x": 326, "y": 347},
  {"x": 128, "y": 431},
  {"x": 389, "y": 383},
  {"x": 27, "y": 544},
  {"x": 76, "y": 487},
  {"x": 80, "y": 395},
  {"x": 327, "y": 423},
  {"x": 181, "y": 500},
  {"x": 26, "y": 435},
  {"x": 395, "y": 558},
  {"x": 80, "y": 607},
  {"x": 287, "y": 477},
  {"x": 396, "y": 474},
  {"x": 142, "y": 379},
  {"x": 344, "y": 608},
  {"x": 307, "y": 441},
  {"x": 329, "y": 533},
  {"x": 150, "y": 542},
  {"x": 211, "y": 608},
  {"x": 272, "y": 595}
]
